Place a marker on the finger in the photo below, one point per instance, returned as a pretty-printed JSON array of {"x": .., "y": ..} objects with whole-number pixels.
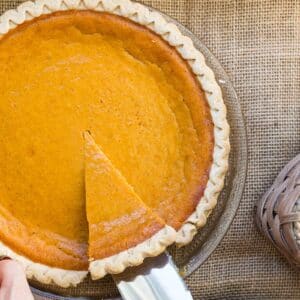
[
  {"x": 2, "y": 257},
  {"x": 10, "y": 270},
  {"x": 14, "y": 285}
]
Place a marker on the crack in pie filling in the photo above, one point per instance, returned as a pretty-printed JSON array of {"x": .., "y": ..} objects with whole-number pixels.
[{"x": 71, "y": 200}]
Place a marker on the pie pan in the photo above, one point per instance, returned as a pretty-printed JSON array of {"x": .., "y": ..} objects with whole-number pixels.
[{"x": 190, "y": 257}]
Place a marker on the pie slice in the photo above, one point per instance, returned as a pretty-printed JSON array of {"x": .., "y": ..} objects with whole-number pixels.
[{"x": 122, "y": 229}]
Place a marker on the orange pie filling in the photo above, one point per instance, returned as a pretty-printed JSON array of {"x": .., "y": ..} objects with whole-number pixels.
[
  {"x": 123, "y": 220},
  {"x": 71, "y": 72}
]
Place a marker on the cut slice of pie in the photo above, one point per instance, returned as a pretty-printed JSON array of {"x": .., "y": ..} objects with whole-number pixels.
[{"x": 122, "y": 229}]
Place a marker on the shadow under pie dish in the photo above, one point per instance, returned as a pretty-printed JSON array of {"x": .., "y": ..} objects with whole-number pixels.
[{"x": 157, "y": 121}]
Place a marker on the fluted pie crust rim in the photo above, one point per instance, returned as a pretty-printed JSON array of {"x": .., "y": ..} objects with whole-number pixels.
[{"x": 184, "y": 45}]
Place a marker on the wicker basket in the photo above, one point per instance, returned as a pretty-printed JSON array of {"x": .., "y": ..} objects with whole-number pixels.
[{"x": 278, "y": 212}]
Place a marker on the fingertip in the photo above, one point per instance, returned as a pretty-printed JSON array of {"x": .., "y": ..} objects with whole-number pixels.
[{"x": 10, "y": 268}]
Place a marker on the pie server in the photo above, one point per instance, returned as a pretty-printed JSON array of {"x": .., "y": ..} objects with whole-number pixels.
[{"x": 156, "y": 279}]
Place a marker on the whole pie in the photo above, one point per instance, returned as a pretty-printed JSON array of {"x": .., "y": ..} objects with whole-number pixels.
[{"x": 113, "y": 137}]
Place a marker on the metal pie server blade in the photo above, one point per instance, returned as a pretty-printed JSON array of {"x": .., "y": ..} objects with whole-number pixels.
[{"x": 156, "y": 279}]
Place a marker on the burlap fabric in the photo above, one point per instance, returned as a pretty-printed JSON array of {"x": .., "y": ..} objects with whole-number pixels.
[{"x": 258, "y": 43}]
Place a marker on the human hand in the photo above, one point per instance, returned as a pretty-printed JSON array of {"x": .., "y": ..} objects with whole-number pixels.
[{"x": 13, "y": 283}]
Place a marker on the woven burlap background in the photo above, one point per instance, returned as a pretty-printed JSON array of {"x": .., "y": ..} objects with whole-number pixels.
[{"x": 258, "y": 43}]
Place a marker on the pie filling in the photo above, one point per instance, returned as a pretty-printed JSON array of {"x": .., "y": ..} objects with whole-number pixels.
[
  {"x": 123, "y": 220},
  {"x": 71, "y": 72}
]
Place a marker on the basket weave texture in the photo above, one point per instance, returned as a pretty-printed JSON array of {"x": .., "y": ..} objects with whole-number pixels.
[{"x": 278, "y": 212}]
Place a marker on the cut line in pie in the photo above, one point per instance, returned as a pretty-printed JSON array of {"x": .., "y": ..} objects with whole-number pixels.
[{"x": 122, "y": 229}]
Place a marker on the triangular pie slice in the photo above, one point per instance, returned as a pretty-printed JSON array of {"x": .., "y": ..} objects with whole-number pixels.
[{"x": 122, "y": 229}]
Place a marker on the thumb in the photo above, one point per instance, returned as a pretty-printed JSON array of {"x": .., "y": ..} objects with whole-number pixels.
[{"x": 13, "y": 283}]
